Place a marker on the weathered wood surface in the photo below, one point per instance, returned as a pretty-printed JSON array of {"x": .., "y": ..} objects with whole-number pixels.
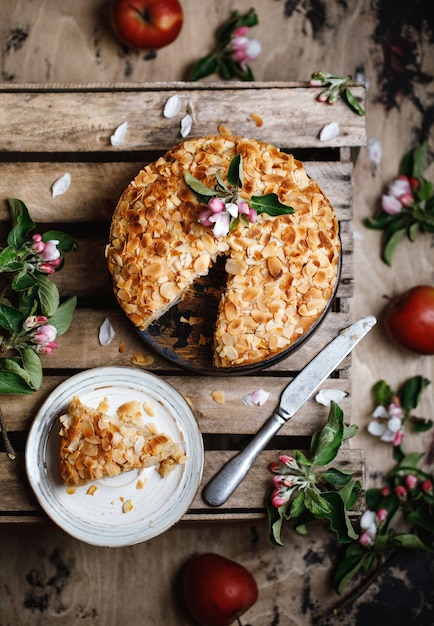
[
  {"x": 77, "y": 140},
  {"x": 85, "y": 120},
  {"x": 50, "y": 578}
]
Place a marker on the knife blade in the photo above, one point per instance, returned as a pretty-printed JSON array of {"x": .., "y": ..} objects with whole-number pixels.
[{"x": 295, "y": 394}]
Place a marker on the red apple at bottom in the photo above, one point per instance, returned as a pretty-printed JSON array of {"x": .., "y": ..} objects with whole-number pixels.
[
  {"x": 409, "y": 319},
  {"x": 217, "y": 590},
  {"x": 146, "y": 24}
]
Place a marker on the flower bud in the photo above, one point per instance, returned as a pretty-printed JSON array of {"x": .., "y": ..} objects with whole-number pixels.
[
  {"x": 381, "y": 515},
  {"x": 401, "y": 492},
  {"x": 277, "y": 499},
  {"x": 427, "y": 486},
  {"x": 216, "y": 205},
  {"x": 365, "y": 539},
  {"x": 411, "y": 481}
]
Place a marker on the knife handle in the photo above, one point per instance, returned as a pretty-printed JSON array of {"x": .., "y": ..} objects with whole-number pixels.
[{"x": 224, "y": 483}]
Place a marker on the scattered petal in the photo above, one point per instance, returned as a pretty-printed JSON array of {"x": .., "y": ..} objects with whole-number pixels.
[
  {"x": 325, "y": 396},
  {"x": 61, "y": 185},
  {"x": 172, "y": 107},
  {"x": 256, "y": 398},
  {"x": 329, "y": 131},
  {"x": 119, "y": 135},
  {"x": 106, "y": 333},
  {"x": 375, "y": 151},
  {"x": 186, "y": 123},
  {"x": 357, "y": 235},
  {"x": 377, "y": 429}
]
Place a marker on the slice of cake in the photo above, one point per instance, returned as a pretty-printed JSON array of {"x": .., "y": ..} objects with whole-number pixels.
[
  {"x": 276, "y": 227},
  {"x": 94, "y": 444}
]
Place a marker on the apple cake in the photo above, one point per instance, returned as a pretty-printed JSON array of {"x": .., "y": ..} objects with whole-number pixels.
[
  {"x": 246, "y": 200},
  {"x": 94, "y": 444}
]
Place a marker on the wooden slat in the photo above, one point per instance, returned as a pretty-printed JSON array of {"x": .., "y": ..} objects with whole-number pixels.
[
  {"x": 47, "y": 132},
  {"x": 82, "y": 120},
  {"x": 18, "y": 503}
]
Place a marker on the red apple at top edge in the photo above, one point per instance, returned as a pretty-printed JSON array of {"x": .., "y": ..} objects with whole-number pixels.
[
  {"x": 217, "y": 590},
  {"x": 146, "y": 24},
  {"x": 409, "y": 319}
]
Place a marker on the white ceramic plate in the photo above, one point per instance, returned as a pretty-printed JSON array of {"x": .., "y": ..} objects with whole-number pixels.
[{"x": 98, "y": 519}]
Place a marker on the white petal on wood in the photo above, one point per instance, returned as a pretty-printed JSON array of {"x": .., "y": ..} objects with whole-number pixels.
[
  {"x": 329, "y": 131},
  {"x": 186, "y": 124},
  {"x": 256, "y": 398},
  {"x": 106, "y": 332},
  {"x": 61, "y": 185},
  {"x": 172, "y": 108},
  {"x": 325, "y": 396},
  {"x": 119, "y": 135}
]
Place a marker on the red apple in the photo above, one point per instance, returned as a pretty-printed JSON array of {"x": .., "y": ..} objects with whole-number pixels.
[
  {"x": 409, "y": 319},
  {"x": 217, "y": 590},
  {"x": 146, "y": 24}
]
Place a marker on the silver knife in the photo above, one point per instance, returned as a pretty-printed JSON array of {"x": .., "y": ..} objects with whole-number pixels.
[{"x": 295, "y": 394}]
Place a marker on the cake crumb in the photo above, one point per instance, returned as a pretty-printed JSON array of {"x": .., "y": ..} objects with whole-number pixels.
[
  {"x": 218, "y": 396},
  {"x": 257, "y": 119}
]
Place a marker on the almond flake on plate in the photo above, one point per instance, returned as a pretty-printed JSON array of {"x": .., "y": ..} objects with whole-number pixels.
[
  {"x": 256, "y": 398},
  {"x": 106, "y": 333},
  {"x": 329, "y": 131},
  {"x": 61, "y": 185},
  {"x": 119, "y": 135},
  {"x": 172, "y": 108},
  {"x": 325, "y": 396}
]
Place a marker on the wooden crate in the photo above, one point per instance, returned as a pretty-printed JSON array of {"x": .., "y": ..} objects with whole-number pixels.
[{"x": 46, "y": 132}]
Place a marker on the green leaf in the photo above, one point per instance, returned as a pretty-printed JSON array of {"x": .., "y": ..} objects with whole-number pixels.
[
  {"x": 297, "y": 505},
  {"x": 351, "y": 101},
  {"x": 423, "y": 518},
  {"x": 407, "y": 540},
  {"x": 348, "y": 568},
  {"x": 316, "y": 504},
  {"x": 48, "y": 296},
  {"x": 411, "y": 392},
  {"x": 66, "y": 242},
  {"x": 383, "y": 393},
  {"x": 23, "y": 281},
  {"x": 350, "y": 493},
  {"x": 275, "y": 521},
  {"x": 33, "y": 367},
  {"x": 203, "y": 192},
  {"x": 7, "y": 259},
  {"x": 204, "y": 67},
  {"x": 337, "y": 478},
  {"x": 11, "y": 319},
  {"x": 329, "y": 440},
  {"x": 270, "y": 204},
  {"x": 12, "y": 383},
  {"x": 339, "y": 521},
  {"x": 62, "y": 318},
  {"x": 391, "y": 242},
  {"x": 22, "y": 224},
  {"x": 235, "y": 171},
  {"x": 350, "y": 431},
  {"x": 420, "y": 424}
]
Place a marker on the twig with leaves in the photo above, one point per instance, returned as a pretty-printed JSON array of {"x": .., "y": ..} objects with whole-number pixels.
[
  {"x": 408, "y": 206},
  {"x": 233, "y": 50},
  {"x": 31, "y": 315},
  {"x": 406, "y": 501},
  {"x": 336, "y": 87}
]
